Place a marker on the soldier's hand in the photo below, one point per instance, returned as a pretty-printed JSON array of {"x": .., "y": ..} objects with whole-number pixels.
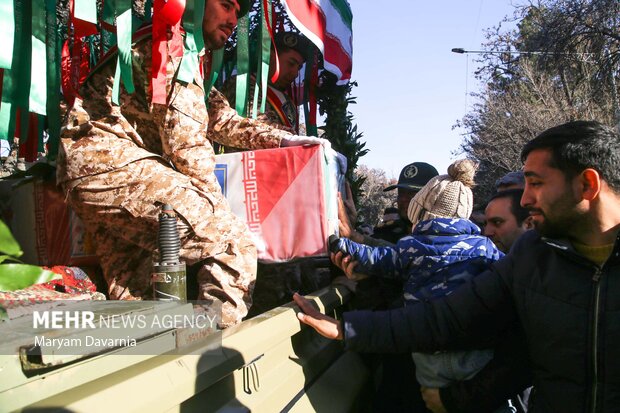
[
  {"x": 433, "y": 400},
  {"x": 324, "y": 325},
  {"x": 295, "y": 140}
]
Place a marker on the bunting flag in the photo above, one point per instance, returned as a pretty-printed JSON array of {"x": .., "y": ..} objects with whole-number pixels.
[{"x": 327, "y": 23}]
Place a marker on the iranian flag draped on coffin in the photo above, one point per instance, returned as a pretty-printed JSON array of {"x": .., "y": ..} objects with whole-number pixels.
[{"x": 287, "y": 197}]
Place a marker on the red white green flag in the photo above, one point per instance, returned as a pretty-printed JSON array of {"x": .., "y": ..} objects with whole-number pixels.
[{"x": 327, "y": 23}]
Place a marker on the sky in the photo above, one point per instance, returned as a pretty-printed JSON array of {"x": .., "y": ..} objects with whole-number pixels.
[{"x": 411, "y": 88}]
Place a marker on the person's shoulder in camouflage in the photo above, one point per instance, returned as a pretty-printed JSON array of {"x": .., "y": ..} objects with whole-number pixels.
[{"x": 269, "y": 116}]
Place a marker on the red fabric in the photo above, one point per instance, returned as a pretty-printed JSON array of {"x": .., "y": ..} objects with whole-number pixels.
[
  {"x": 74, "y": 280},
  {"x": 54, "y": 232},
  {"x": 74, "y": 285},
  {"x": 291, "y": 201},
  {"x": 268, "y": 23},
  {"x": 74, "y": 68},
  {"x": 167, "y": 41},
  {"x": 68, "y": 88},
  {"x": 75, "y": 63},
  {"x": 29, "y": 148}
]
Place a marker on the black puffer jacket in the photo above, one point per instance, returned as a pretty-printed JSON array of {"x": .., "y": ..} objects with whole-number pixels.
[{"x": 568, "y": 307}]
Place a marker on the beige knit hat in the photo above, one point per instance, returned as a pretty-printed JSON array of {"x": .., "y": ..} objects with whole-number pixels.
[{"x": 446, "y": 196}]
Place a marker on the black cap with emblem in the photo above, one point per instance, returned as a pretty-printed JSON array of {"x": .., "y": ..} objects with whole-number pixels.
[
  {"x": 295, "y": 41},
  {"x": 244, "y": 7},
  {"x": 414, "y": 176}
]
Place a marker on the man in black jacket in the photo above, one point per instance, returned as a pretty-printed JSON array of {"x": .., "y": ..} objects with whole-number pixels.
[{"x": 561, "y": 283}]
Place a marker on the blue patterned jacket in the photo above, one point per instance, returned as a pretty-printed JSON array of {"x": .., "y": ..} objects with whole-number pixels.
[{"x": 439, "y": 255}]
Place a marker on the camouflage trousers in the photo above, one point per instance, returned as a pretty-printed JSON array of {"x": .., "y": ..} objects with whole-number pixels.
[{"x": 120, "y": 209}]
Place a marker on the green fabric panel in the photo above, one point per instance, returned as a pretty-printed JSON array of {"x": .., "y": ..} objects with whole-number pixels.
[
  {"x": 24, "y": 120},
  {"x": 41, "y": 129},
  {"x": 108, "y": 11},
  {"x": 7, "y": 33},
  {"x": 123, "y": 33},
  {"x": 148, "y": 11},
  {"x": 22, "y": 55},
  {"x": 194, "y": 43},
  {"x": 85, "y": 10},
  {"x": 38, "y": 78},
  {"x": 311, "y": 129},
  {"x": 262, "y": 70},
  {"x": 217, "y": 59},
  {"x": 116, "y": 86},
  {"x": 53, "y": 79},
  {"x": 16, "y": 82},
  {"x": 243, "y": 65},
  {"x": 13, "y": 96},
  {"x": 5, "y": 121},
  {"x": 265, "y": 53},
  {"x": 189, "y": 64},
  {"x": 199, "y": 12},
  {"x": 344, "y": 10}
]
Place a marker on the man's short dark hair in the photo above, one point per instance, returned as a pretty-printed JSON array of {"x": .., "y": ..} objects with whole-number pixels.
[
  {"x": 578, "y": 145},
  {"x": 516, "y": 209}
]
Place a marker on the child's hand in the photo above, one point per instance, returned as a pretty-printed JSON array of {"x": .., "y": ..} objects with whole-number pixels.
[
  {"x": 346, "y": 264},
  {"x": 432, "y": 400}
]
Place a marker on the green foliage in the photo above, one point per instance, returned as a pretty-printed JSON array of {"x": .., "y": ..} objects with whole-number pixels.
[
  {"x": 18, "y": 276},
  {"x": 8, "y": 244},
  {"x": 333, "y": 101},
  {"x": 15, "y": 276}
]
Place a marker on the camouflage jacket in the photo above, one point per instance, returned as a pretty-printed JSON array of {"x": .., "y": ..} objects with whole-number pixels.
[
  {"x": 99, "y": 136},
  {"x": 271, "y": 115}
]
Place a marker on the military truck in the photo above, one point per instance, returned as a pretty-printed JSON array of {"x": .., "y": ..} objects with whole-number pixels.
[{"x": 266, "y": 364}]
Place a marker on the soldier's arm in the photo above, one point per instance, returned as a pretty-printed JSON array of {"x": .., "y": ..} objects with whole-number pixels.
[
  {"x": 182, "y": 131},
  {"x": 229, "y": 90},
  {"x": 230, "y": 129}
]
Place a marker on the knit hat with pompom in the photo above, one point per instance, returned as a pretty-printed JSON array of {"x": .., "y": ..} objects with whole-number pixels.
[{"x": 446, "y": 196}]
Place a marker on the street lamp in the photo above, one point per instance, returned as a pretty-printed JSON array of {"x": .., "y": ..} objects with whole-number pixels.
[
  {"x": 460, "y": 50},
  {"x": 614, "y": 91}
]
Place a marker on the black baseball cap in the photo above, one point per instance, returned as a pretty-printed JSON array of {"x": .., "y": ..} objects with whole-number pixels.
[
  {"x": 414, "y": 176},
  {"x": 244, "y": 7}
]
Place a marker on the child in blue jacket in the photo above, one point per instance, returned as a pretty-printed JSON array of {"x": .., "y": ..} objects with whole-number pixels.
[{"x": 444, "y": 251}]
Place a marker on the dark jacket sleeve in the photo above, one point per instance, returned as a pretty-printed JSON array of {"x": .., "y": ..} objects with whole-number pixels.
[
  {"x": 468, "y": 318},
  {"x": 506, "y": 375}
]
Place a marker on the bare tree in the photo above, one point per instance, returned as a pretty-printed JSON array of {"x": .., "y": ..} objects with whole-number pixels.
[
  {"x": 373, "y": 201},
  {"x": 560, "y": 65}
]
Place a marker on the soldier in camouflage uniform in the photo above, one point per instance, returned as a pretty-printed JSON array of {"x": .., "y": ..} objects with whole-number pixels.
[{"x": 118, "y": 164}]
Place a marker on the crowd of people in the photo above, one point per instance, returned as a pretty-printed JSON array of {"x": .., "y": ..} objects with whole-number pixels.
[
  {"x": 553, "y": 294},
  {"x": 469, "y": 309}
]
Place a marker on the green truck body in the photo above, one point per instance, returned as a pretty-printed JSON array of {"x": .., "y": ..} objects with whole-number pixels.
[{"x": 269, "y": 363}]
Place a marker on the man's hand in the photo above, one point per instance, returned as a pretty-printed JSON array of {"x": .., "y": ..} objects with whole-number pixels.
[
  {"x": 324, "y": 325},
  {"x": 433, "y": 400},
  {"x": 347, "y": 265}
]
